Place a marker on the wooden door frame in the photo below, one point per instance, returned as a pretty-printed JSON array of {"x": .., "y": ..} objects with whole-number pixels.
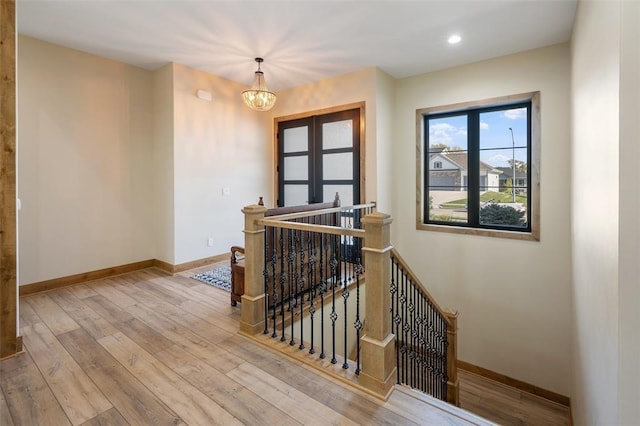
[
  {"x": 356, "y": 105},
  {"x": 9, "y": 341}
]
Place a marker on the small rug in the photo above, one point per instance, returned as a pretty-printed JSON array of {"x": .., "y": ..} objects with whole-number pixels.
[{"x": 219, "y": 277}]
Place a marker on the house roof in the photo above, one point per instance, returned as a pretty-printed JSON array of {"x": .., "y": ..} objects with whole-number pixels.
[{"x": 461, "y": 159}]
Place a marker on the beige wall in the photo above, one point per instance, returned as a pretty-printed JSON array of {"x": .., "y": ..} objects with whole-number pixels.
[
  {"x": 85, "y": 182},
  {"x": 594, "y": 199},
  {"x": 514, "y": 296},
  {"x": 385, "y": 106},
  {"x": 606, "y": 233},
  {"x": 629, "y": 269},
  {"x": 218, "y": 144},
  {"x": 118, "y": 164},
  {"x": 163, "y": 215}
]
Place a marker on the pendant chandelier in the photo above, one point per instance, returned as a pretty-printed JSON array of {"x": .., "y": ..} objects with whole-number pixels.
[{"x": 258, "y": 97}]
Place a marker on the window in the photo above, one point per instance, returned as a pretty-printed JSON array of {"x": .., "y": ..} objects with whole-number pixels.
[
  {"x": 478, "y": 165},
  {"x": 319, "y": 155}
]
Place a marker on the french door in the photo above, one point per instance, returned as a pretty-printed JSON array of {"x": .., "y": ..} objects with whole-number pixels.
[{"x": 319, "y": 156}]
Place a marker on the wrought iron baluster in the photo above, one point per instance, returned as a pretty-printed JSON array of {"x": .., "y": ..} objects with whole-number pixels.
[
  {"x": 323, "y": 288},
  {"x": 424, "y": 344},
  {"x": 283, "y": 280},
  {"x": 292, "y": 278},
  {"x": 312, "y": 285},
  {"x": 433, "y": 368},
  {"x": 416, "y": 345},
  {"x": 345, "y": 296},
  {"x": 265, "y": 273},
  {"x": 394, "y": 310},
  {"x": 274, "y": 262},
  {"x": 420, "y": 344},
  {"x": 446, "y": 351},
  {"x": 358, "y": 323},
  {"x": 334, "y": 278},
  {"x": 405, "y": 328},
  {"x": 412, "y": 319},
  {"x": 302, "y": 282},
  {"x": 438, "y": 355}
]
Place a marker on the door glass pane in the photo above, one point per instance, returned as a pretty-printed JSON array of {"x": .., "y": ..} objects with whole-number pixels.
[
  {"x": 296, "y": 139},
  {"x": 296, "y": 195},
  {"x": 337, "y": 134},
  {"x": 296, "y": 168},
  {"x": 337, "y": 166},
  {"x": 345, "y": 192}
]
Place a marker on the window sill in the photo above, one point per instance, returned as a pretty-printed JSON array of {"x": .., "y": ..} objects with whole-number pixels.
[{"x": 495, "y": 233}]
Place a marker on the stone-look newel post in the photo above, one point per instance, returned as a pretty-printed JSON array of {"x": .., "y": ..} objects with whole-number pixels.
[
  {"x": 453, "y": 390},
  {"x": 378, "y": 354},
  {"x": 252, "y": 313}
]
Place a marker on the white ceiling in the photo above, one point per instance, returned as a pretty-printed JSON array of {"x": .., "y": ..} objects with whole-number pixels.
[{"x": 301, "y": 41}]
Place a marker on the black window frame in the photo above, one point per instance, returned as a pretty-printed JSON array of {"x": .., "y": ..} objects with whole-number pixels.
[{"x": 473, "y": 167}]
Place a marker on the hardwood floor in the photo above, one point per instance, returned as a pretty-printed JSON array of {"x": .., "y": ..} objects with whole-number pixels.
[
  {"x": 150, "y": 348},
  {"x": 506, "y": 405}
]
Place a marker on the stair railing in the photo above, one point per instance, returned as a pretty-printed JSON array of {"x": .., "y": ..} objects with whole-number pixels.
[
  {"x": 426, "y": 336},
  {"x": 295, "y": 264},
  {"x": 313, "y": 259}
]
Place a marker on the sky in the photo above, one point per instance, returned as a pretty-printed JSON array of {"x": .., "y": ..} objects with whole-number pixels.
[{"x": 495, "y": 137}]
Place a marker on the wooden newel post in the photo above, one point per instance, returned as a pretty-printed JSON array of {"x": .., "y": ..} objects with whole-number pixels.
[
  {"x": 453, "y": 389},
  {"x": 252, "y": 309},
  {"x": 378, "y": 373}
]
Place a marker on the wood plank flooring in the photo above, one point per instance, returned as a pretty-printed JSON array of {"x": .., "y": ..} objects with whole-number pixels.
[
  {"x": 150, "y": 348},
  {"x": 506, "y": 405}
]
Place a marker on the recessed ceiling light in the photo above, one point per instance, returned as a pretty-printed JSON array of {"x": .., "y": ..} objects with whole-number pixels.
[{"x": 454, "y": 39}]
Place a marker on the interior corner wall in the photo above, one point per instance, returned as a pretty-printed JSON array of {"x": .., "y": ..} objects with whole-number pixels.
[
  {"x": 595, "y": 54},
  {"x": 359, "y": 86},
  {"x": 84, "y": 136},
  {"x": 163, "y": 218},
  {"x": 385, "y": 105},
  {"x": 514, "y": 296},
  {"x": 218, "y": 145},
  {"x": 629, "y": 271}
]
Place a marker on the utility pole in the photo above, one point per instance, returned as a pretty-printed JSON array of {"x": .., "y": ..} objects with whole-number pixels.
[{"x": 513, "y": 166}]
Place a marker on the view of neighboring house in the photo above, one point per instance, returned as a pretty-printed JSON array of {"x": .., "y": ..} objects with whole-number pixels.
[
  {"x": 448, "y": 172},
  {"x": 520, "y": 180}
]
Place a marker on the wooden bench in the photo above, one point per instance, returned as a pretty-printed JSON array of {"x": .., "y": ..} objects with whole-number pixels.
[{"x": 237, "y": 264}]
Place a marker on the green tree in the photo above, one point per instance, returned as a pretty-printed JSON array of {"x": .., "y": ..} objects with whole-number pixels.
[
  {"x": 508, "y": 186},
  {"x": 495, "y": 214},
  {"x": 521, "y": 166}
]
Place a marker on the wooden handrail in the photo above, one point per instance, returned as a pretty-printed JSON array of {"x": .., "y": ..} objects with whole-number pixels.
[
  {"x": 310, "y": 213},
  {"x": 299, "y": 226},
  {"x": 421, "y": 287},
  {"x": 299, "y": 215}
]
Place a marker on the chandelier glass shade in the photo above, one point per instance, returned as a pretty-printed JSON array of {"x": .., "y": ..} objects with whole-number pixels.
[{"x": 259, "y": 98}]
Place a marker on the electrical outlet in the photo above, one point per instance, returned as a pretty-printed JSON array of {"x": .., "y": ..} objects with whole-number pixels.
[
  {"x": 226, "y": 191},
  {"x": 210, "y": 242}
]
